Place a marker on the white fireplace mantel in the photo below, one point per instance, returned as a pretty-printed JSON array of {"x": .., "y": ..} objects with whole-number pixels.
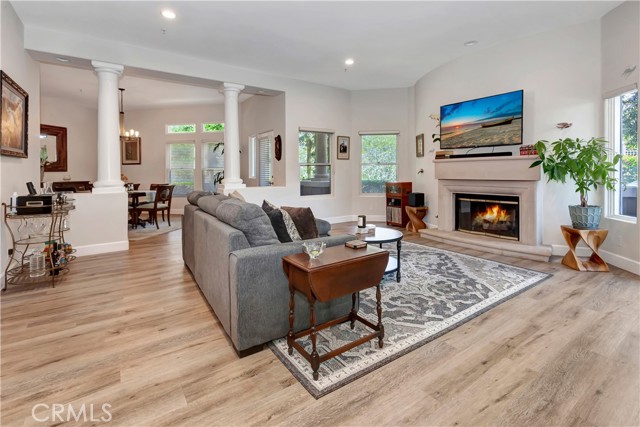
[{"x": 509, "y": 176}]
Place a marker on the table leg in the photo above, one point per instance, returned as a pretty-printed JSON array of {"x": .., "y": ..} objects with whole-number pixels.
[
  {"x": 315, "y": 358},
  {"x": 352, "y": 314},
  {"x": 291, "y": 317},
  {"x": 398, "y": 272},
  {"x": 379, "y": 309}
]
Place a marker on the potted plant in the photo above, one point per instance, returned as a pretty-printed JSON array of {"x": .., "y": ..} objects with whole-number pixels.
[{"x": 588, "y": 164}]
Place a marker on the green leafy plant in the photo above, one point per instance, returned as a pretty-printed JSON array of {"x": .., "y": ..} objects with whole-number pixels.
[{"x": 586, "y": 162}]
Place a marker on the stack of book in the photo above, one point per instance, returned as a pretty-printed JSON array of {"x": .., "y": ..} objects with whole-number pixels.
[
  {"x": 528, "y": 150},
  {"x": 370, "y": 228},
  {"x": 443, "y": 154}
]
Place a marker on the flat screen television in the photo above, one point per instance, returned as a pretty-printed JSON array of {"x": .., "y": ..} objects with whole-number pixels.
[{"x": 484, "y": 122}]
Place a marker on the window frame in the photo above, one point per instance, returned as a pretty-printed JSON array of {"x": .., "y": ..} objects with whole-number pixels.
[
  {"x": 203, "y": 144},
  {"x": 168, "y": 163},
  {"x": 381, "y": 133},
  {"x": 613, "y": 132},
  {"x": 167, "y": 131},
  {"x": 329, "y": 162}
]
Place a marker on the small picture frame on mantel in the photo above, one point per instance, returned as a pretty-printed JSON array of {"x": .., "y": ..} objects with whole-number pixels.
[
  {"x": 344, "y": 147},
  {"x": 420, "y": 145}
]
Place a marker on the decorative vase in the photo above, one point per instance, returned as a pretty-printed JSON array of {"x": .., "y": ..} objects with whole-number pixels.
[{"x": 585, "y": 217}]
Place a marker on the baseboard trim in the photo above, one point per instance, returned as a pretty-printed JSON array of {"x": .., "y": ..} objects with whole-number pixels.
[
  {"x": 619, "y": 261},
  {"x": 102, "y": 248},
  {"x": 349, "y": 218}
]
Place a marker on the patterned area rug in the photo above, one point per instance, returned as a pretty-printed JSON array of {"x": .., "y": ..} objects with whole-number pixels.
[{"x": 439, "y": 291}]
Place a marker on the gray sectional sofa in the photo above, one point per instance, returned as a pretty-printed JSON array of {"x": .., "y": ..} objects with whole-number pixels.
[{"x": 244, "y": 285}]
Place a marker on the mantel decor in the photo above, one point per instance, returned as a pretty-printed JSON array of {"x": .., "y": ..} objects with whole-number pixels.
[
  {"x": 15, "y": 115},
  {"x": 420, "y": 145}
]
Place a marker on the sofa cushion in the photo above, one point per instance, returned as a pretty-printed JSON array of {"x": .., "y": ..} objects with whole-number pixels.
[
  {"x": 292, "y": 230},
  {"x": 248, "y": 218},
  {"x": 194, "y": 196},
  {"x": 304, "y": 220},
  {"x": 277, "y": 222},
  {"x": 209, "y": 204}
]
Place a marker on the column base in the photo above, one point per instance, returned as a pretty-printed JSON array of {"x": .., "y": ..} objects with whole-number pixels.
[
  {"x": 230, "y": 187},
  {"x": 103, "y": 187}
]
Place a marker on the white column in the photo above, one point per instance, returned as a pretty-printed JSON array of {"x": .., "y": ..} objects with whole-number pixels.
[
  {"x": 232, "y": 178},
  {"x": 108, "y": 128}
]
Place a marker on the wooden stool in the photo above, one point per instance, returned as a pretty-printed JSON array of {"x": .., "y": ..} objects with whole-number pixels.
[
  {"x": 593, "y": 239},
  {"x": 415, "y": 218}
]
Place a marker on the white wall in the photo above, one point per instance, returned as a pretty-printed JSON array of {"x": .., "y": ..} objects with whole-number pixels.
[
  {"x": 260, "y": 114},
  {"x": 82, "y": 134},
  {"x": 620, "y": 49},
  {"x": 15, "y": 172},
  {"x": 380, "y": 110}
]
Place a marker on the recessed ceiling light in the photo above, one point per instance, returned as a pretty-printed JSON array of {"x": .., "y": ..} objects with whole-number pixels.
[
  {"x": 349, "y": 62},
  {"x": 471, "y": 43},
  {"x": 62, "y": 59},
  {"x": 169, "y": 14}
]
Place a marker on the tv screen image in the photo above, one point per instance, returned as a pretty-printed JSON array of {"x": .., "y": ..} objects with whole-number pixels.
[{"x": 484, "y": 122}]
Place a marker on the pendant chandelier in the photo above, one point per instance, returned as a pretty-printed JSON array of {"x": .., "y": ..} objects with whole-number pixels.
[{"x": 128, "y": 133}]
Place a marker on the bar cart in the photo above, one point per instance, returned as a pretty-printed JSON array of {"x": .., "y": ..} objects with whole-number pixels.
[{"x": 38, "y": 233}]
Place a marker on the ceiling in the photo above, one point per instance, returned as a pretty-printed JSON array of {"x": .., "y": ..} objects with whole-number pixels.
[{"x": 393, "y": 43}]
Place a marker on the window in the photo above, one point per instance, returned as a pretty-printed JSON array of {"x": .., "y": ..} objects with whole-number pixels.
[
  {"x": 212, "y": 164},
  {"x": 212, "y": 127},
  {"x": 622, "y": 131},
  {"x": 184, "y": 128},
  {"x": 379, "y": 161},
  {"x": 265, "y": 154},
  {"x": 314, "y": 156},
  {"x": 181, "y": 167}
]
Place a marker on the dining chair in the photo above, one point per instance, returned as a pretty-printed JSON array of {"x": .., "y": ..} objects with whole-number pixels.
[
  {"x": 161, "y": 202},
  {"x": 155, "y": 186}
]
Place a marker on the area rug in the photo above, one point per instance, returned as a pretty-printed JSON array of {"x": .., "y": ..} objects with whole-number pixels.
[
  {"x": 150, "y": 230},
  {"x": 439, "y": 291}
]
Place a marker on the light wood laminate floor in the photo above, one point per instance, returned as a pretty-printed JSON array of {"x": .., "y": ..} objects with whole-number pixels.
[{"x": 132, "y": 330}]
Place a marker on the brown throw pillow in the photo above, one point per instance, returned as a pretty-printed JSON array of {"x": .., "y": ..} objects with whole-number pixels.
[{"x": 304, "y": 220}]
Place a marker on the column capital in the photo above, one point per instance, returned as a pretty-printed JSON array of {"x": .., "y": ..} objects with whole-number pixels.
[
  {"x": 231, "y": 87},
  {"x": 107, "y": 67}
]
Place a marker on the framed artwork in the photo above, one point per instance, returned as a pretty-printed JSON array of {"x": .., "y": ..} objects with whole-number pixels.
[
  {"x": 53, "y": 139},
  {"x": 344, "y": 147},
  {"x": 15, "y": 115},
  {"x": 130, "y": 150},
  {"x": 420, "y": 145}
]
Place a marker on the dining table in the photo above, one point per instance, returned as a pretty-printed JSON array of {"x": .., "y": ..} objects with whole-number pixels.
[{"x": 138, "y": 197}]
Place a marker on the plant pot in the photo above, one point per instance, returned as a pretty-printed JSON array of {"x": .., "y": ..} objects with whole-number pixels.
[{"x": 585, "y": 217}]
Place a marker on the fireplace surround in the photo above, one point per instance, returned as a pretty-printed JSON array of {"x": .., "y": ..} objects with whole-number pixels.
[{"x": 500, "y": 176}]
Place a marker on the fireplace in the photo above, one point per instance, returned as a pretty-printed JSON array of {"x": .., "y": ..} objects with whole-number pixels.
[{"x": 489, "y": 215}]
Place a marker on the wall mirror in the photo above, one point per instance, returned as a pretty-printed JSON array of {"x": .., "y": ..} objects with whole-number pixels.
[{"x": 55, "y": 139}]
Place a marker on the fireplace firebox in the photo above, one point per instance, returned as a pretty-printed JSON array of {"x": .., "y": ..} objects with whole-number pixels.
[{"x": 489, "y": 215}]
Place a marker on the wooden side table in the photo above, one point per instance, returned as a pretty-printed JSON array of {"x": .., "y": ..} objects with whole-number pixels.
[
  {"x": 339, "y": 271},
  {"x": 415, "y": 218},
  {"x": 593, "y": 239}
]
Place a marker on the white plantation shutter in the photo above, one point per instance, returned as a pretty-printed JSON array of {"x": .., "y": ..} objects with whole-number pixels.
[{"x": 265, "y": 169}]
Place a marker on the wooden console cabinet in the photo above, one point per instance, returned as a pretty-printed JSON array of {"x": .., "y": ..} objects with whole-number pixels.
[{"x": 397, "y": 198}]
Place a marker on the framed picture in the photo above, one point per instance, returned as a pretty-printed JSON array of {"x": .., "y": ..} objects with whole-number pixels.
[
  {"x": 420, "y": 145},
  {"x": 344, "y": 147},
  {"x": 15, "y": 115},
  {"x": 130, "y": 150}
]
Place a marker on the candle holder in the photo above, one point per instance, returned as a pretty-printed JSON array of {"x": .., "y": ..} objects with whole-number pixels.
[{"x": 362, "y": 221}]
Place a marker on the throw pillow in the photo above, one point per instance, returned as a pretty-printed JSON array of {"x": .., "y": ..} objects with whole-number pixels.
[
  {"x": 209, "y": 204},
  {"x": 292, "y": 230},
  {"x": 277, "y": 222},
  {"x": 237, "y": 195},
  {"x": 304, "y": 220},
  {"x": 194, "y": 196},
  {"x": 250, "y": 219}
]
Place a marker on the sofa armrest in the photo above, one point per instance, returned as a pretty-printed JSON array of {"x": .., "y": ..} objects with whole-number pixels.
[
  {"x": 259, "y": 294},
  {"x": 323, "y": 227}
]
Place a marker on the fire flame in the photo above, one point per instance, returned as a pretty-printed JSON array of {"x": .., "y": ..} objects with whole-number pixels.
[{"x": 493, "y": 214}]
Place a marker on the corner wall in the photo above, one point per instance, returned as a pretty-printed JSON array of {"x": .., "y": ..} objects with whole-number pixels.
[{"x": 14, "y": 60}]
